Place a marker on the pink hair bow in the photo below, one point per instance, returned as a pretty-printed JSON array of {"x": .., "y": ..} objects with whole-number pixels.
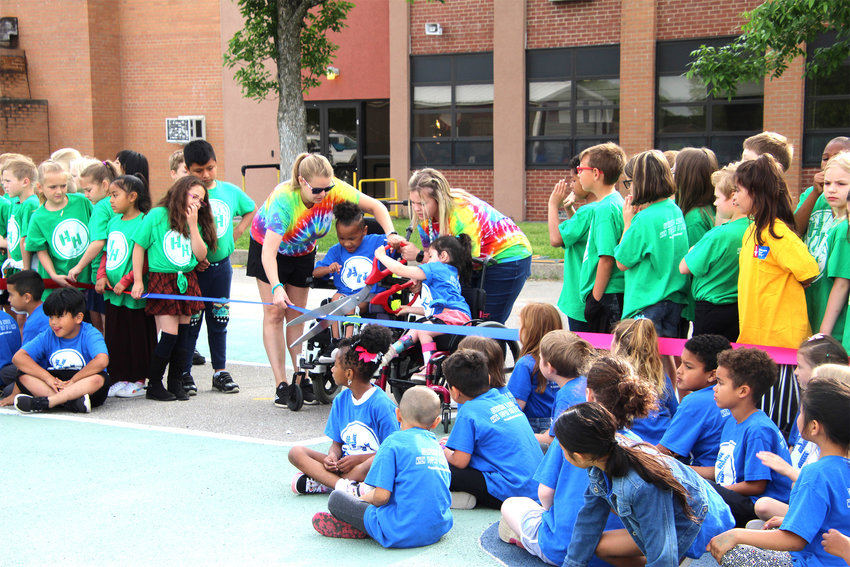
[{"x": 364, "y": 355}]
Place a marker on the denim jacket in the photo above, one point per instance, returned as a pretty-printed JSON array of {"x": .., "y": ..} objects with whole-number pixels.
[{"x": 653, "y": 518}]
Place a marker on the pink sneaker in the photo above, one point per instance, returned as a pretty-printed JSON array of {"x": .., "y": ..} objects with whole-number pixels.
[{"x": 328, "y": 526}]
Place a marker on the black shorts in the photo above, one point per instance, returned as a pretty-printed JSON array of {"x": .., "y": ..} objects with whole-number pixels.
[{"x": 292, "y": 270}]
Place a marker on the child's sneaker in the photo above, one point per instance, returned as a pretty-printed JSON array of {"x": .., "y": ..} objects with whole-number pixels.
[
  {"x": 307, "y": 392},
  {"x": 303, "y": 484},
  {"x": 132, "y": 390},
  {"x": 328, "y": 526},
  {"x": 348, "y": 486},
  {"x": 80, "y": 405},
  {"x": 223, "y": 382},
  {"x": 281, "y": 395},
  {"x": 27, "y": 404},
  {"x": 189, "y": 384},
  {"x": 116, "y": 388},
  {"x": 198, "y": 359},
  {"x": 463, "y": 501},
  {"x": 507, "y": 535}
]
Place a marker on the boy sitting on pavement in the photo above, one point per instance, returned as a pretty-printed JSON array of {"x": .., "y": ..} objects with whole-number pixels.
[
  {"x": 66, "y": 364},
  {"x": 409, "y": 505},
  {"x": 25, "y": 289}
]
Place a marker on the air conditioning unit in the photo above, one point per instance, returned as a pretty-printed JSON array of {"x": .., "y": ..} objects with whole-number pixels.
[{"x": 184, "y": 129}]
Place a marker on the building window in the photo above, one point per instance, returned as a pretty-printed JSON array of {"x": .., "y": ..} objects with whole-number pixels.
[
  {"x": 685, "y": 115},
  {"x": 827, "y": 107},
  {"x": 452, "y": 110},
  {"x": 573, "y": 102}
]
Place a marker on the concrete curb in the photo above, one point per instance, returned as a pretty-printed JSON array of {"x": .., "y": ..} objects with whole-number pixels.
[{"x": 540, "y": 269}]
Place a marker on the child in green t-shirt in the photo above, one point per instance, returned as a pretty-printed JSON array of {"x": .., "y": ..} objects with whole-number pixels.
[
  {"x": 713, "y": 261},
  {"x": 831, "y": 300},
  {"x": 58, "y": 231},
  {"x": 654, "y": 241},
  {"x": 20, "y": 177}
]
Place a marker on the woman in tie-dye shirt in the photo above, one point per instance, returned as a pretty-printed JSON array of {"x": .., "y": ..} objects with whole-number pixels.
[
  {"x": 281, "y": 254},
  {"x": 443, "y": 210}
]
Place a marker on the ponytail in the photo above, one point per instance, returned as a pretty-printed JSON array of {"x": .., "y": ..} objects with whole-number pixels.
[
  {"x": 309, "y": 166},
  {"x": 620, "y": 391},
  {"x": 102, "y": 171}
]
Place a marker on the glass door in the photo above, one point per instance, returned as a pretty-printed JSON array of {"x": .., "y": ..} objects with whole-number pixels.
[{"x": 333, "y": 131}]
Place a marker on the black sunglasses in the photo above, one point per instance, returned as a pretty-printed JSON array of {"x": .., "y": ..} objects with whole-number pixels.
[{"x": 320, "y": 190}]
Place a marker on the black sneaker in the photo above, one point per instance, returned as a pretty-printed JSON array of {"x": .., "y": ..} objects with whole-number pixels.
[
  {"x": 308, "y": 393},
  {"x": 198, "y": 359},
  {"x": 281, "y": 395},
  {"x": 189, "y": 385},
  {"x": 223, "y": 382},
  {"x": 80, "y": 405},
  {"x": 28, "y": 404}
]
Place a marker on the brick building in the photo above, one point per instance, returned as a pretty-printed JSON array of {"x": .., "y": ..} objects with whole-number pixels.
[{"x": 496, "y": 93}]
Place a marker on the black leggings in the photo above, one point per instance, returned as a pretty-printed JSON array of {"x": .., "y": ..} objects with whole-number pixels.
[
  {"x": 742, "y": 507},
  {"x": 472, "y": 481}
]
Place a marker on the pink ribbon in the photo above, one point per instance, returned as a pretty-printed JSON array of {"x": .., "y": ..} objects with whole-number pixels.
[{"x": 364, "y": 355}]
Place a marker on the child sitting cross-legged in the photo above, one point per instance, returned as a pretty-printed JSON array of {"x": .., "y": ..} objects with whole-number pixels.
[
  {"x": 64, "y": 365},
  {"x": 361, "y": 417},
  {"x": 492, "y": 451},
  {"x": 409, "y": 505}
]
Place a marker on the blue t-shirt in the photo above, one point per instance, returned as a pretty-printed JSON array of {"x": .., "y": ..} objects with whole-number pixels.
[
  {"x": 505, "y": 391},
  {"x": 491, "y": 428},
  {"x": 572, "y": 393},
  {"x": 652, "y": 427},
  {"x": 737, "y": 461},
  {"x": 52, "y": 353},
  {"x": 10, "y": 338},
  {"x": 355, "y": 266},
  {"x": 412, "y": 466},
  {"x": 361, "y": 425},
  {"x": 441, "y": 289},
  {"x": 819, "y": 501},
  {"x": 523, "y": 385},
  {"x": 695, "y": 429},
  {"x": 35, "y": 324},
  {"x": 802, "y": 452}
]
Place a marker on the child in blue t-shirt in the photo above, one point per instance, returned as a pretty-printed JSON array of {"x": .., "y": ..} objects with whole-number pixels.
[
  {"x": 694, "y": 432},
  {"x": 818, "y": 502},
  {"x": 743, "y": 377},
  {"x": 534, "y": 394},
  {"x": 495, "y": 361},
  {"x": 66, "y": 364},
  {"x": 449, "y": 264},
  {"x": 25, "y": 289},
  {"x": 361, "y": 418},
  {"x": 349, "y": 261},
  {"x": 409, "y": 505},
  {"x": 492, "y": 451}
]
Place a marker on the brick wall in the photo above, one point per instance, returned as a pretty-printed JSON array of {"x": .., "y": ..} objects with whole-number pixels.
[
  {"x": 467, "y": 27},
  {"x": 13, "y": 74},
  {"x": 568, "y": 24},
  {"x": 681, "y": 19},
  {"x": 479, "y": 182},
  {"x": 23, "y": 128},
  {"x": 105, "y": 58},
  {"x": 538, "y": 187}
]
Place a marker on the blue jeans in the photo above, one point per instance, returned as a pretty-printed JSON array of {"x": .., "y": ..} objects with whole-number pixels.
[
  {"x": 503, "y": 284},
  {"x": 665, "y": 315},
  {"x": 214, "y": 282}
]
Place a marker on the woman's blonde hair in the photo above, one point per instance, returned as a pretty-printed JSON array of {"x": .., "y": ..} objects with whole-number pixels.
[
  {"x": 636, "y": 341},
  {"x": 437, "y": 187},
  {"x": 309, "y": 166}
]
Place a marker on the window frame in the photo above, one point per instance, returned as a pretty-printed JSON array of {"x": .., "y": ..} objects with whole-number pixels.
[{"x": 812, "y": 155}]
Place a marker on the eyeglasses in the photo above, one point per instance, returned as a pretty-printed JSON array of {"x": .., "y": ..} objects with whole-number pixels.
[
  {"x": 319, "y": 190},
  {"x": 627, "y": 183},
  {"x": 581, "y": 168}
]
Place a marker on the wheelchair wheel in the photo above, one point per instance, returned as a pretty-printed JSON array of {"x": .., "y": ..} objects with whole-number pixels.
[
  {"x": 447, "y": 418},
  {"x": 509, "y": 348},
  {"x": 324, "y": 387}
]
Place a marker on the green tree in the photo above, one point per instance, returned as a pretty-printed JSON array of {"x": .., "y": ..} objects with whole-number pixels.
[
  {"x": 289, "y": 37},
  {"x": 773, "y": 35}
]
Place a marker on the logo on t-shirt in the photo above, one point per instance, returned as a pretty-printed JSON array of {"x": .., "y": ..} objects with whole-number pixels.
[
  {"x": 177, "y": 248},
  {"x": 358, "y": 439},
  {"x": 13, "y": 233},
  {"x": 425, "y": 296},
  {"x": 117, "y": 250},
  {"x": 221, "y": 216},
  {"x": 70, "y": 239},
  {"x": 761, "y": 252},
  {"x": 66, "y": 358},
  {"x": 724, "y": 468},
  {"x": 354, "y": 272}
]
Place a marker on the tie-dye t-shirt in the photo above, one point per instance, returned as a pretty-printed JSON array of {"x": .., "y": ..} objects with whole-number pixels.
[
  {"x": 284, "y": 213},
  {"x": 492, "y": 233}
]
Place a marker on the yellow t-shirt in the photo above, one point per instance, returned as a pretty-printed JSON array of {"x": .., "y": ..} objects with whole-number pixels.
[{"x": 771, "y": 301}]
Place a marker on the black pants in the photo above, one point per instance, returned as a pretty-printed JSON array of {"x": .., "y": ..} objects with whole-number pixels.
[
  {"x": 742, "y": 507},
  {"x": 602, "y": 315},
  {"x": 472, "y": 481},
  {"x": 717, "y": 319}
]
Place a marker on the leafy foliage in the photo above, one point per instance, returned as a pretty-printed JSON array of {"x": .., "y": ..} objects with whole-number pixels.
[{"x": 772, "y": 37}]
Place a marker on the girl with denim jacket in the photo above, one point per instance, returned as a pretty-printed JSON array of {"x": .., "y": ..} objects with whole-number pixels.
[{"x": 669, "y": 512}]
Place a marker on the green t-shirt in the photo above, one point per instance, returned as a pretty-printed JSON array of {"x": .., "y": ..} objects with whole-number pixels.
[
  {"x": 574, "y": 234},
  {"x": 64, "y": 234},
  {"x": 168, "y": 251},
  {"x": 19, "y": 224},
  {"x": 699, "y": 221},
  {"x": 119, "y": 258},
  {"x": 713, "y": 261},
  {"x": 821, "y": 214},
  {"x": 5, "y": 214},
  {"x": 604, "y": 234},
  {"x": 652, "y": 249},
  {"x": 818, "y": 241},
  {"x": 227, "y": 201},
  {"x": 101, "y": 214},
  {"x": 836, "y": 264}
]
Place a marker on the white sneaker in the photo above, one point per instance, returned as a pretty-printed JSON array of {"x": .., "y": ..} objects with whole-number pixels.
[
  {"x": 132, "y": 390},
  {"x": 115, "y": 388},
  {"x": 463, "y": 501},
  {"x": 356, "y": 489}
]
